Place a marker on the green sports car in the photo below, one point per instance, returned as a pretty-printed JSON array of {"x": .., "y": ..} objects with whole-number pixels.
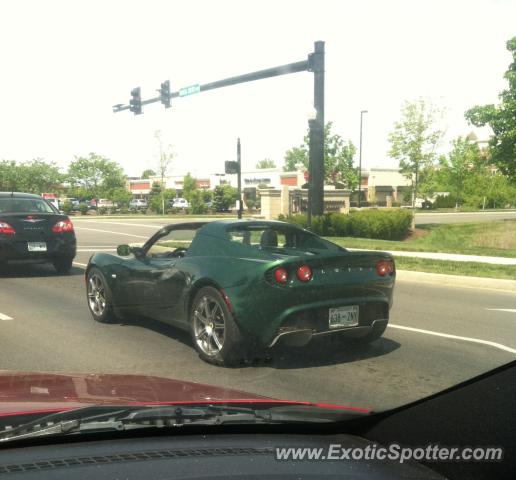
[{"x": 238, "y": 285}]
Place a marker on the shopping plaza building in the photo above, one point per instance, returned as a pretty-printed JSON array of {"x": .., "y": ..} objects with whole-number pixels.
[{"x": 377, "y": 183}]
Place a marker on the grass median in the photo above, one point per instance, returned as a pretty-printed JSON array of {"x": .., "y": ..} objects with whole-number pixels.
[
  {"x": 470, "y": 269},
  {"x": 495, "y": 238}
]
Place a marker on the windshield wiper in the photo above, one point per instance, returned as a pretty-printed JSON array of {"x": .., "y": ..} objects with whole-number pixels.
[{"x": 120, "y": 418}]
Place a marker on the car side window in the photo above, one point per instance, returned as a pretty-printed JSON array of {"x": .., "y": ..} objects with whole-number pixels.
[{"x": 173, "y": 244}]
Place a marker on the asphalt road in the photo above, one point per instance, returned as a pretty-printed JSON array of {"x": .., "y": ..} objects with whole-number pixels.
[
  {"x": 438, "y": 336},
  {"x": 460, "y": 217}
]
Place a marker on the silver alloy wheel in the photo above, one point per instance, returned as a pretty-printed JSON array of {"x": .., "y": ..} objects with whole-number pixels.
[
  {"x": 96, "y": 295},
  {"x": 209, "y": 325}
]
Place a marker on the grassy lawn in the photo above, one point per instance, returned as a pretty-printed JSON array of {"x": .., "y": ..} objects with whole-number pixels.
[
  {"x": 496, "y": 238},
  {"x": 457, "y": 268}
]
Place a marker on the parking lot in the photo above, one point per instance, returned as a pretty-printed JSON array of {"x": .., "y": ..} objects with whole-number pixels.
[{"x": 437, "y": 337}]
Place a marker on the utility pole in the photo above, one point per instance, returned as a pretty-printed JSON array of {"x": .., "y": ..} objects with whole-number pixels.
[
  {"x": 360, "y": 160},
  {"x": 239, "y": 177}
]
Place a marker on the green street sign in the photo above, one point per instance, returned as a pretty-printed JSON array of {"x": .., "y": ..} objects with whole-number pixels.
[
  {"x": 231, "y": 167},
  {"x": 190, "y": 90}
]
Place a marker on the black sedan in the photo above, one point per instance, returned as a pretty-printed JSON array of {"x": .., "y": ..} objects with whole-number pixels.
[{"x": 33, "y": 230}]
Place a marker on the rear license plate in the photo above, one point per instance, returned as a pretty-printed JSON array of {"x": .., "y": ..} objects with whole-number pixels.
[
  {"x": 343, "y": 316},
  {"x": 37, "y": 246}
]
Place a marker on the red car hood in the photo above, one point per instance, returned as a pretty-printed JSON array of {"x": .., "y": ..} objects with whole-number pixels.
[{"x": 22, "y": 392}]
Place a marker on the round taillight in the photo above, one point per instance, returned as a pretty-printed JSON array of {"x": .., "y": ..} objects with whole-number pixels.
[
  {"x": 384, "y": 267},
  {"x": 304, "y": 273},
  {"x": 6, "y": 229},
  {"x": 63, "y": 226},
  {"x": 281, "y": 275}
]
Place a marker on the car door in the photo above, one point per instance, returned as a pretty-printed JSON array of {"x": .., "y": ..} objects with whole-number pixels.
[{"x": 157, "y": 279}]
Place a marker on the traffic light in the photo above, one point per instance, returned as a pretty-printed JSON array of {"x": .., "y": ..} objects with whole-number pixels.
[
  {"x": 164, "y": 93},
  {"x": 135, "y": 105}
]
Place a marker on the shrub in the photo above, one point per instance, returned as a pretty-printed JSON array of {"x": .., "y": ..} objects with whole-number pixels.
[
  {"x": 443, "y": 201},
  {"x": 67, "y": 208},
  {"x": 389, "y": 224},
  {"x": 102, "y": 210},
  {"x": 83, "y": 208}
]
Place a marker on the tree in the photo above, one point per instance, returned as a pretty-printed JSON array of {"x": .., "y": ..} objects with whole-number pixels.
[
  {"x": 148, "y": 173},
  {"x": 158, "y": 194},
  {"x": 224, "y": 196},
  {"x": 207, "y": 196},
  {"x": 413, "y": 143},
  {"x": 197, "y": 205},
  {"x": 338, "y": 159},
  {"x": 121, "y": 197},
  {"x": 35, "y": 176},
  {"x": 189, "y": 186},
  {"x": 266, "y": 163},
  {"x": 165, "y": 158},
  {"x": 96, "y": 174},
  {"x": 502, "y": 120},
  {"x": 294, "y": 157},
  {"x": 458, "y": 166}
]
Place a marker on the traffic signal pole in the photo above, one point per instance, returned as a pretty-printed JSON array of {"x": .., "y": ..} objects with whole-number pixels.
[
  {"x": 314, "y": 64},
  {"x": 239, "y": 179},
  {"x": 316, "y": 182}
]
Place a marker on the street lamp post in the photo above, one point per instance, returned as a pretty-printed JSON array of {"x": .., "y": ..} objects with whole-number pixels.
[{"x": 360, "y": 159}]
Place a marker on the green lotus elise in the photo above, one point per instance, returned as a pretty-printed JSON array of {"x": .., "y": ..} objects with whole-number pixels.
[{"x": 238, "y": 285}]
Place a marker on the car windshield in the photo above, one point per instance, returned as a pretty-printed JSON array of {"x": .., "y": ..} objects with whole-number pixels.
[
  {"x": 278, "y": 200},
  {"x": 25, "y": 205}
]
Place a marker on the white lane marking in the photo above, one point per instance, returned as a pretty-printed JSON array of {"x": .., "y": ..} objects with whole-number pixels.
[
  {"x": 155, "y": 226},
  {"x": 512, "y": 310},
  {"x": 5, "y": 317},
  {"x": 96, "y": 249},
  {"x": 456, "y": 337},
  {"x": 109, "y": 231},
  {"x": 77, "y": 264},
  {"x": 99, "y": 246}
]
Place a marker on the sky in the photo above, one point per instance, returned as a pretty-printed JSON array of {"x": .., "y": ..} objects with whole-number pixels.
[{"x": 66, "y": 63}]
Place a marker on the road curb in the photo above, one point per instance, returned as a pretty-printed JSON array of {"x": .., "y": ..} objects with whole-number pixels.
[{"x": 456, "y": 280}]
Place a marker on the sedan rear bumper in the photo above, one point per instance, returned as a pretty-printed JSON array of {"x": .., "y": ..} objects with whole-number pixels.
[{"x": 11, "y": 250}]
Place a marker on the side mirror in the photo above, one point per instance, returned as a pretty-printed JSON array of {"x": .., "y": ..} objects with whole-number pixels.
[{"x": 123, "y": 250}]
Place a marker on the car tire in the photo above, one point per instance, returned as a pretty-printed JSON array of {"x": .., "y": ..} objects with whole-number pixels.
[
  {"x": 98, "y": 297},
  {"x": 374, "y": 334},
  {"x": 63, "y": 265},
  {"x": 229, "y": 349}
]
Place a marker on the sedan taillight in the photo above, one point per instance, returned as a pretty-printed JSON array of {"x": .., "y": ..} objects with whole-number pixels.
[
  {"x": 63, "y": 226},
  {"x": 6, "y": 229},
  {"x": 385, "y": 267}
]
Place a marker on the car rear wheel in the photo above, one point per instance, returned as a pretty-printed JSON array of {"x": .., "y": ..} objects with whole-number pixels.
[
  {"x": 63, "y": 265},
  {"x": 215, "y": 335},
  {"x": 99, "y": 297}
]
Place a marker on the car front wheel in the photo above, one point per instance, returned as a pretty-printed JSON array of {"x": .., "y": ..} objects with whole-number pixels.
[
  {"x": 215, "y": 334},
  {"x": 99, "y": 297}
]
